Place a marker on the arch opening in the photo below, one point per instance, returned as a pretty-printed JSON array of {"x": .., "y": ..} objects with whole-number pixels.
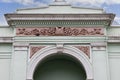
[{"x": 59, "y": 67}]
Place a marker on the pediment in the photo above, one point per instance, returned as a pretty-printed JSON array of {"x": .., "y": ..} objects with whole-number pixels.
[{"x": 60, "y": 9}]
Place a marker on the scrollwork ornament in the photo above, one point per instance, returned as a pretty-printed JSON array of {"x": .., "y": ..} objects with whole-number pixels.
[
  {"x": 75, "y": 32},
  {"x": 67, "y": 31},
  {"x": 35, "y": 32},
  {"x": 51, "y": 31},
  {"x": 84, "y": 32}
]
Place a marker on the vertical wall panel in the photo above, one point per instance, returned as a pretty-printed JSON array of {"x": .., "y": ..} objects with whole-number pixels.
[{"x": 4, "y": 69}]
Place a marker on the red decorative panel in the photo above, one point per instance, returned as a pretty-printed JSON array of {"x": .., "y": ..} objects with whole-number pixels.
[
  {"x": 85, "y": 49},
  {"x": 34, "y": 49},
  {"x": 59, "y": 31}
]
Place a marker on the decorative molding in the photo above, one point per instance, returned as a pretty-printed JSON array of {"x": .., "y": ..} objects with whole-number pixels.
[
  {"x": 60, "y": 39},
  {"x": 114, "y": 39},
  {"x": 34, "y": 49},
  {"x": 52, "y": 50},
  {"x": 99, "y": 46},
  {"x": 60, "y": 47},
  {"x": 85, "y": 49},
  {"x": 21, "y": 46},
  {"x": 59, "y": 31},
  {"x": 59, "y": 17},
  {"x": 114, "y": 55},
  {"x": 12, "y": 18},
  {"x": 6, "y": 39},
  {"x": 53, "y": 23}
]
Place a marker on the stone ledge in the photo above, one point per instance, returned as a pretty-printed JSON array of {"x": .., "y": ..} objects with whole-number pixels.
[
  {"x": 6, "y": 39},
  {"x": 115, "y": 39}
]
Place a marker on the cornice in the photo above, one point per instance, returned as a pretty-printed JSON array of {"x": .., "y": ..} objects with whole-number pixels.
[
  {"x": 48, "y": 17},
  {"x": 54, "y": 23},
  {"x": 59, "y": 16},
  {"x": 60, "y": 25},
  {"x": 41, "y": 7},
  {"x": 115, "y": 26},
  {"x": 91, "y": 8},
  {"x": 4, "y": 26}
]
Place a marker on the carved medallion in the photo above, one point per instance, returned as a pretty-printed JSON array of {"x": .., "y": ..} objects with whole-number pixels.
[
  {"x": 85, "y": 49},
  {"x": 59, "y": 31}
]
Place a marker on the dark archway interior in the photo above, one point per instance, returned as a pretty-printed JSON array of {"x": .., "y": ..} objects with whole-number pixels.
[{"x": 59, "y": 67}]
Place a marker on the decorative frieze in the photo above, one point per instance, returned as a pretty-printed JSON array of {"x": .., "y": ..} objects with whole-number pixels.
[
  {"x": 85, "y": 49},
  {"x": 59, "y": 31},
  {"x": 34, "y": 49}
]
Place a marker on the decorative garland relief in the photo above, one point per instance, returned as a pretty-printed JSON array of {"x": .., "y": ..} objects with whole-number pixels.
[{"x": 59, "y": 31}]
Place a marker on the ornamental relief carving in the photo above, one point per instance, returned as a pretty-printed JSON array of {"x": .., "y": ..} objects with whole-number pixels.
[
  {"x": 85, "y": 49},
  {"x": 59, "y": 31},
  {"x": 34, "y": 49}
]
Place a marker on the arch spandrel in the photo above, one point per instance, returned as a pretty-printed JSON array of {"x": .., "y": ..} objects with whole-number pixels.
[{"x": 67, "y": 50}]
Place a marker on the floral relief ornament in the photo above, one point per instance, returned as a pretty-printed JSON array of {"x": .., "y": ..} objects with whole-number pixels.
[
  {"x": 85, "y": 49},
  {"x": 58, "y": 31},
  {"x": 34, "y": 49}
]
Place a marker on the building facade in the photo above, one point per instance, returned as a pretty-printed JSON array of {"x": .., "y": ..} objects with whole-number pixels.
[{"x": 60, "y": 42}]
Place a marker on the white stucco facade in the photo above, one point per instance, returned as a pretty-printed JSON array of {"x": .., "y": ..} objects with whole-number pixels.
[{"x": 85, "y": 34}]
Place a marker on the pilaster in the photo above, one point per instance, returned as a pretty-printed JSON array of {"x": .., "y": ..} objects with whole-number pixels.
[
  {"x": 19, "y": 61},
  {"x": 99, "y": 55}
]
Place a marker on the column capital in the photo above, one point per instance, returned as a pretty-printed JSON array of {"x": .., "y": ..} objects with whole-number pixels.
[
  {"x": 21, "y": 46},
  {"x": 95, "y": 44},
  {"x": 98, "y": 45}
]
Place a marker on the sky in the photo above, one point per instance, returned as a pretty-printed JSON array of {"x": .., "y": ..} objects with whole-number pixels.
[{"x": 10, "y": 6}]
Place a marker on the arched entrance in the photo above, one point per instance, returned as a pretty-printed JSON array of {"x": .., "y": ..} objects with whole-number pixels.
[
  {"x": 59, "y": 67},
  {"x": 46, "y": 52}
]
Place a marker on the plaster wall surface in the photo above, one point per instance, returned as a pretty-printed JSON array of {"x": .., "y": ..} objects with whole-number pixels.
[
  {"x": 19, "y": 65},
  {"x": 60, "y": 10},
  {"x": 99, "y": 65},
  {"x": 5, "y": 69},
  {"x": 5, "y": 47},
  {"x": 6, "y": 32},
  {"x": 114, "y": 60},
  {"x": 114, "y": 31},
  {"x": 5, "y": 61}
]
